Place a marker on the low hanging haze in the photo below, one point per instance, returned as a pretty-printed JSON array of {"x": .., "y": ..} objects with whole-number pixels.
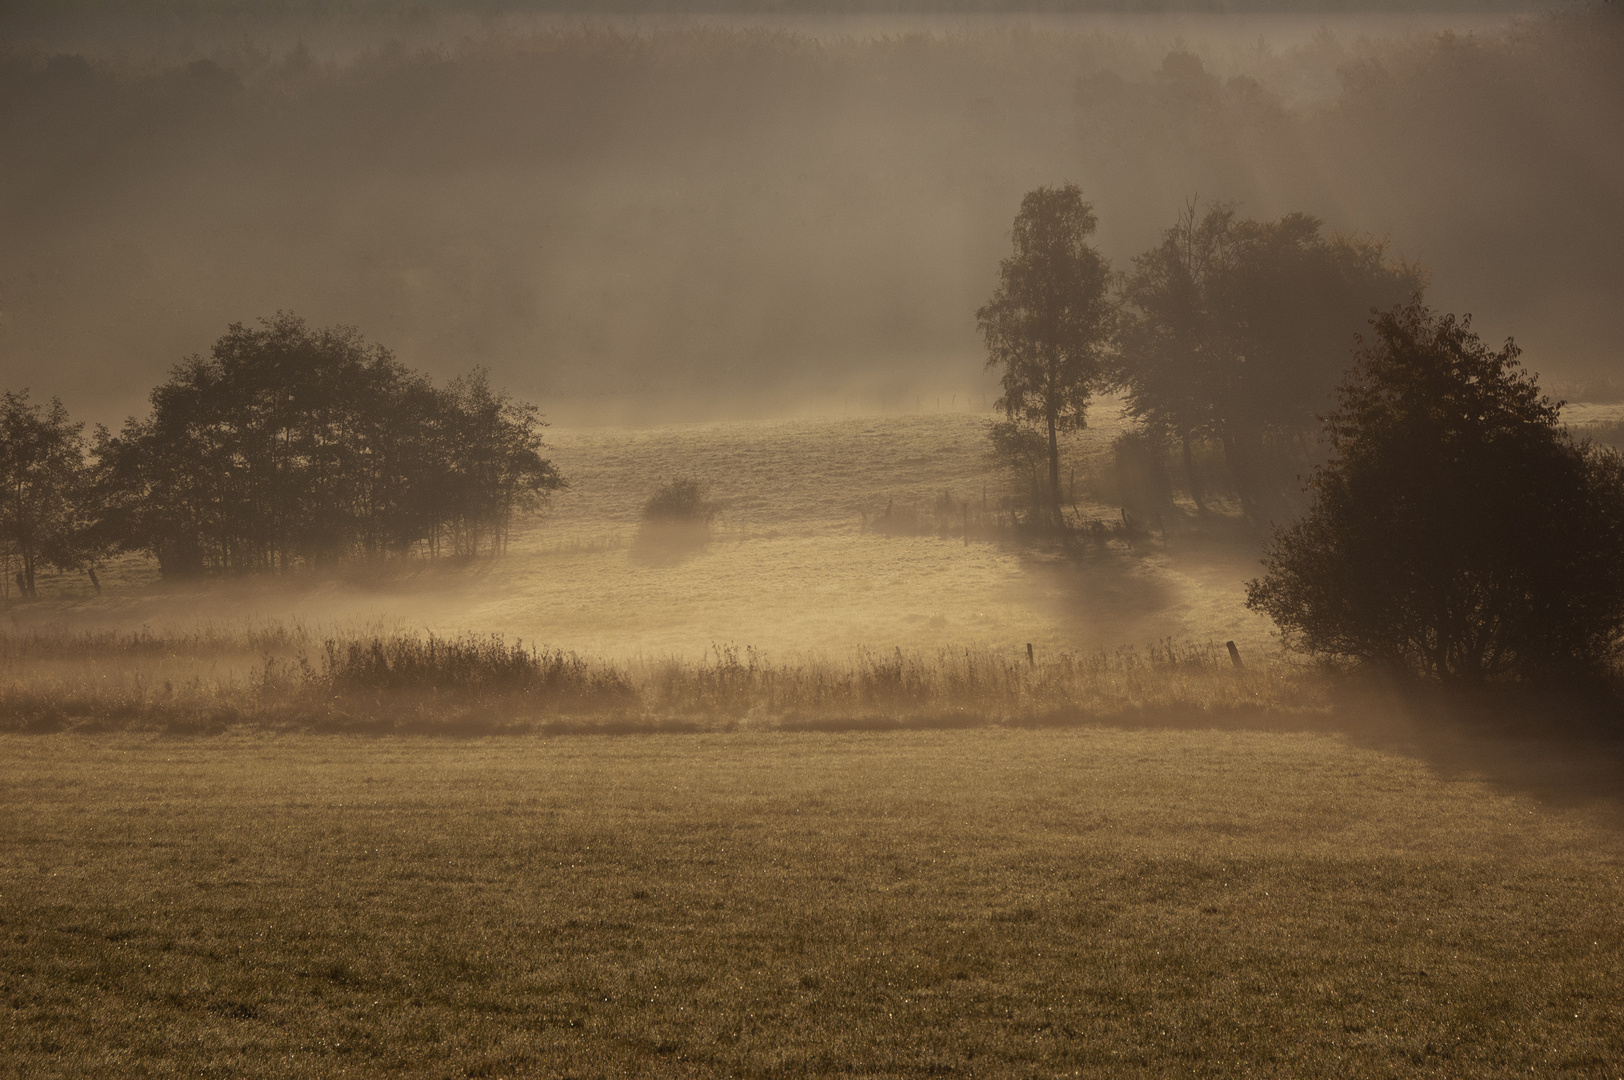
[{"x": 637, "y": 214}]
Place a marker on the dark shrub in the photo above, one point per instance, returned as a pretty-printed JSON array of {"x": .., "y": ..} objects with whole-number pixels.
[{"x": 679, "y": 502}]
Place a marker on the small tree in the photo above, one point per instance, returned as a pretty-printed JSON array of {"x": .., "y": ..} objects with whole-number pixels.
[
  {"x": 1457, "y": 531},
  {"x": 1049, "y": 324}
]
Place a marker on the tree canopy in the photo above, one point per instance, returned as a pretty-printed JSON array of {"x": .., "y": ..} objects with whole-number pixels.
[
  {"x": 43, "y": 475},
  {"x": 1239, "y": 330},
  {"x": 1458, "y": 531},
  {"x": 290, "y": 446}
]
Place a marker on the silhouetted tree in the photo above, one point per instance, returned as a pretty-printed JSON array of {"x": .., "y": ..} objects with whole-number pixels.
[
  {"x": 292, "y": 446},
  {"x": 1169, "y": 334},
  {"x": 1049, "y": 325},
  {"x": 42, "y": 487},
  {"x": 1239, "y": 331},
  {"x": 1457, "y": 531}
]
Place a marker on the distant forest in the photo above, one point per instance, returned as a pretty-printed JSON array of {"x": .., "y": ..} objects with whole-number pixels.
[{"x": 699, "y": 218}]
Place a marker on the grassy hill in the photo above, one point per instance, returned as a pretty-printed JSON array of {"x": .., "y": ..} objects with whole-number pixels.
[{"x": 792, "y": 571}]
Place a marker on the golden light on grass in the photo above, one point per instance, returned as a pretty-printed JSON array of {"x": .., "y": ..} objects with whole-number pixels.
[{"x": 1084, "y": 902}]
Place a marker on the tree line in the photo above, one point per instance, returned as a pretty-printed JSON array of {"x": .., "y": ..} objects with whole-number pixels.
[
  {"x": 1456, "y": 530},
  {"x": 285, "y": 447}
]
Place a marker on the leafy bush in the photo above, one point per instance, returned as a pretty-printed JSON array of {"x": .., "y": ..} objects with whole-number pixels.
[{"x": 680, "y": 502}]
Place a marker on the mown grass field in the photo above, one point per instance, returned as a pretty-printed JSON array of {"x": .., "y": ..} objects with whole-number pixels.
[{"x": 1085, "y": 902}]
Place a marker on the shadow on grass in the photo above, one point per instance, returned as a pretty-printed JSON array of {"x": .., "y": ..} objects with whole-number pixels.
[
  {"x": 1563, "y": 748},
  {"x": 663, "y": 544},
  {"x": 1184, "y": 717}
]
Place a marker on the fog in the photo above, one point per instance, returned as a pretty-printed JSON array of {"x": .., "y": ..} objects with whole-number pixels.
[{"x": 660, "y": 219}]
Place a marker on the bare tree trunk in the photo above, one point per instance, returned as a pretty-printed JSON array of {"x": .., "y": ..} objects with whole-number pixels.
[
  {"x": 1192, "y": 479},
  {"x": 1054, "y": 471},
  {"x": 1238, "y": 454}
]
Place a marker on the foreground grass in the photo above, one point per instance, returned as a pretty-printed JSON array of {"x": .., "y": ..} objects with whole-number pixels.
[{"x": 987, "y": 903}]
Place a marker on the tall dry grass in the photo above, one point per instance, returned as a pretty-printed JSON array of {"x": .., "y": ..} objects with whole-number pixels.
[
  {"x": 973, "y": 686},
  {"x": 99, "y": 646},
  {"x": 288, "y": 678}
]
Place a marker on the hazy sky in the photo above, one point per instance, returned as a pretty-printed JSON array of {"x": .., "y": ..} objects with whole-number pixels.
[{"x": 679, "y": 217}]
